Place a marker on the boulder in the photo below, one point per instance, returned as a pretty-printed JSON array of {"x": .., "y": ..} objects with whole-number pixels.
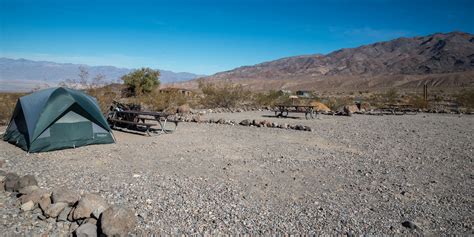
[
  {"x": 86, "y": 230},
  {"x": 91, "y": 220},
  {"x": 196, "y": 119},
  {"x": 44, "y": 203},
  {"x": 27, "y": 190},
  {"x": 299, "y": 127},
  {"x": 11, "y": 182},
  {"x": 55, "y": 209},
  {"x": 183, "y": 109},
  {"x": 221, "y": 121},
  {"x": 64, "y": 195},
  {"x": 245, "y": 122},
  {"x": 70, "y": 217},
  {"x": 35, "y": 196},
  {"x": 64, "y": 214},
  {"x": 28, "y": 206},
  {"x": 117, "y": 221},
  {"x": 27, "y": 180},
  {"x": 90, "y": 204},
  {"x": 2, "y": 182}
]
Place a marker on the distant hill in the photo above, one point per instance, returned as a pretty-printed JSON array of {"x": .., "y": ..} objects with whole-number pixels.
[
  {"x": 23, "y": 74},
  {"x": 445, "y": 60}
]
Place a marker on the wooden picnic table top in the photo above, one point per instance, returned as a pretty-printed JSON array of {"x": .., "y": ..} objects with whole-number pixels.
[
  {"x": 297, "y": 106},
  {"x": 159, "y": 114}
]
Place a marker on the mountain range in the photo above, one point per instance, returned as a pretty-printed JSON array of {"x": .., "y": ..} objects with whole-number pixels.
[
  {"x": 440, "y": 60},
  {"x": 443, "y": 60},
  {"x": 24, "y": 75}
]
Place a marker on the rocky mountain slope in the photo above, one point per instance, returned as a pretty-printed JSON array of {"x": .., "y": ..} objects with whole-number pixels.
[
  {"x": 383, "y": 63},
  {"x": 23, "y": 74}
]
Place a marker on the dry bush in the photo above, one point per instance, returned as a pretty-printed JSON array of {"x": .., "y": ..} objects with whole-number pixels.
[
  {"x": 391, "y": 96},
  {"x": 465, "y": 98},
  {"x": 418, "y": 102},
  {"x": 335, "y": 103},
  {"x": 105, "y": 96},
  {"x": 7, "y": 105},
  {"x": 156, "y": 101},
  {"x": 270, "y": 98},
  {"x": 223, "y": 95}
]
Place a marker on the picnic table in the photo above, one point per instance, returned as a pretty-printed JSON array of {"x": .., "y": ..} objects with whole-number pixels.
[
  {"x": 308, "y": 110},
  {"x": 144, "y": 121}
]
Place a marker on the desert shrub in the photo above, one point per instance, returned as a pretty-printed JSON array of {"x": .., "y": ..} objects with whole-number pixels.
[
  {"x": 162, "y": 101},
  {"x": 466, "y": 98},
  {"x": 391, "y": 95},
  {"x": 98, "y": 87},
  {"x": 7, "y": 105},
  {"x": 104, "y": 95},
  {"x": 271, "y": 98},
  {"x": 224, "y": 95},
  {"x": 141, "y": 81},
  {"x": 418, "y": 102},
  {"x": 335, "y": 103}
]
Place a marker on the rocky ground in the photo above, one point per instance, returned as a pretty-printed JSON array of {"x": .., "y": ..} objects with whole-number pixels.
[{"x": 350, "y": 175}]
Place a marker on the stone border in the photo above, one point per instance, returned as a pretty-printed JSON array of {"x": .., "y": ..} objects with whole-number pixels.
[
  {"x": 88, "y": 214},
  {"x": 245, "y": 122}
]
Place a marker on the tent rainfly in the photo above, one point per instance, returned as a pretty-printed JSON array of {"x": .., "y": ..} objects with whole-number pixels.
[{"x": 57, "y": 118}]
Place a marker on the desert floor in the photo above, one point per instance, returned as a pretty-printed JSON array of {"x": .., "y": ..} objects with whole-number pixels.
[{"x": 359, "y": 174}]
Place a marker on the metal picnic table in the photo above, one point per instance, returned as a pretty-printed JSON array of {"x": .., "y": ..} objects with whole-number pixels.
[
  {"x": 138, "y": 121},
  {"x": 308, "y": 110}
]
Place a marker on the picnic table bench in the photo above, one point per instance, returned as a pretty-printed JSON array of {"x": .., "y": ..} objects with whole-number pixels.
[
  {"x": 139, "y": 121},
  {"x": 308, "y": 110}
]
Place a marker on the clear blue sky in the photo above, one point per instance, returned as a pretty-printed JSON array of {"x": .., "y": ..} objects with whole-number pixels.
[{"x": 211, "y": 36}]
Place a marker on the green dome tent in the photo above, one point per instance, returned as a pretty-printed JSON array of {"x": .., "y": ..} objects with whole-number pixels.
[{"x": 57, "y": 118}]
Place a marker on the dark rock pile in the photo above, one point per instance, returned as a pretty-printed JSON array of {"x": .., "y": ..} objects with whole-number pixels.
[{"x": 86, "y": 215}]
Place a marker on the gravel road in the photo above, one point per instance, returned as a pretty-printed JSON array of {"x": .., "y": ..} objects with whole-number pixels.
[{"x": 351, "y": 175}]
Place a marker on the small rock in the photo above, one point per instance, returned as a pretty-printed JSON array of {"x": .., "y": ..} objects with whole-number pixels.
[
  {"x": 35, "y": 196},
  {"x": 27, "y": 180},
  {"x": 11, "y": 182},
  {"x": 44, "y": 203},
  {"x": 70, "y": 217},
  {"x": 90, "y": 203},
  {"x": 91, "y": 220},
  {"x": 64, "y": 214},
  {"x": 117, "y": 221},
  {"x": 183, "y": 109},
  {"x": 2, "y": 162},
  {"x": 55, "y": 209},
  {"x": 28, "y": 206},
  {"x": 27, "y": 190},
  {"x": 66, "y": 196},
  {"x": 410, "y": 225},
  {"x": 86, "y": 230},
  {"x": 73, "y": 227},
  {"x": 245, "y": 122},
  {"x": 2, "y": 182}
]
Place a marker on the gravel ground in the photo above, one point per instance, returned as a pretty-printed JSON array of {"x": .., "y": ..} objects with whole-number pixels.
[{"x": 359, "y": 174}]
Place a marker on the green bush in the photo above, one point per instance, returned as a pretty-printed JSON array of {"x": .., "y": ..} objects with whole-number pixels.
[{"x": 141, "y": 81}]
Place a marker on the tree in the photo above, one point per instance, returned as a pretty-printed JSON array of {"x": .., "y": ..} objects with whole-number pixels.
[{"x": 142, "y": 81}]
